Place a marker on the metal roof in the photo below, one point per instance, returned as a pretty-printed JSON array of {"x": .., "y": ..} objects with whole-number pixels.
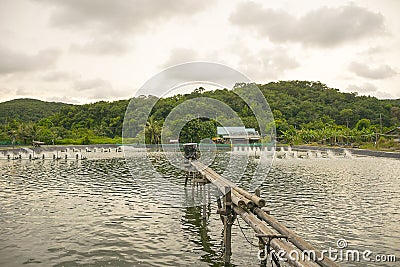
[
  {"x": 231, "y": 131},
  {"x": 236, "y": 131}
]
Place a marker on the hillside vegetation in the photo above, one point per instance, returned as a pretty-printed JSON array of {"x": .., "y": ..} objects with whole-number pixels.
[
  {"x": 28, "y": 110},
  {"x": 304, "y": 112}
]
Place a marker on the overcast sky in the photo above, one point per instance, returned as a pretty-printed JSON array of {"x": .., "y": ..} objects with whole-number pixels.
[{"x": 81, "y": 51}]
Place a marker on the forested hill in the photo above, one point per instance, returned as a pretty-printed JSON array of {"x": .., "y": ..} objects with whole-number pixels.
[
  {"x": 28, "y": 110},
  {"x": 308, "y": 111},
  {"x": 302, "y": 102}
]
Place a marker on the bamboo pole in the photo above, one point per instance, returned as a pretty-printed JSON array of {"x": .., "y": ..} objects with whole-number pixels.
[
  {"x": 294, "y": 238},
  {"x": 276, "y": 244},
  {"x": 220, "y": 184},
  {"x": 238, "y": 200},
  {"x": 214, "y": 178},
  {"x": 243, "y": 200},
  {"x": 260, "y": 202}
]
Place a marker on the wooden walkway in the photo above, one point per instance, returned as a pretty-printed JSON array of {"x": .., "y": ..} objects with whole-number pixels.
[{"x": 271, "y": 233}]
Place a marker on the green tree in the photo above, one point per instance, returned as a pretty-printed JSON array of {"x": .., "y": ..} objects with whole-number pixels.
[
  {"x": 347, "y": 114},
  {"x": 363, "y": 124},
  {"x": 395, "y": 114},
  {"x": 197, "y": 130},
  {"x": 153, "y": 131}
]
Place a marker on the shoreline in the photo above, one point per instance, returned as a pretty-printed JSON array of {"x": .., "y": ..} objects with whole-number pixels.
[
  {"x": 354, "y": 151},
  {"x": 304, "y": 148},
  {"x": 58, "y": 152},
  {"x": 54, "y": 147}
]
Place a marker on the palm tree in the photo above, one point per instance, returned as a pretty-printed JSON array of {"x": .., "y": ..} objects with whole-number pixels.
[
  {"x": 153, "y": 130},
  {"x": 29, "y": 131},
  {"x": 22, "y": 134}
]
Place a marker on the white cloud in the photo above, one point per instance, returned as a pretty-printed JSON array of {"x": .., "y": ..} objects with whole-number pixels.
[
  {"x": 363, "y": 89},
  {"x": 265, "y": 64},
  {"x": 63, "y": 99},
  {"x": 6, "y": 94},
  {"x": 179, "y": 56},
  {"x": 379, "y": 72},
  {"x": 117, "y": 16},
  {"x": 369, "y": 89},
  {"x": 56, "y": 76},
  {"x": 383, "y": 95},
  {"x": 22, "y": 91},
  {"x": 108, "y": 48},
  {"x": 96, "y": 89},
  {"x": 13, "y": 61},
  {"x": 324, "y": 26},
  {"x": 91, "y": 84},
  {"x": 104, "y": 46}
]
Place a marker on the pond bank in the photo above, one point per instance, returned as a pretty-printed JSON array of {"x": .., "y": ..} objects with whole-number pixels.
[
  {"x": 71, "y": 152},
  {"x": 354, "y": 151}
]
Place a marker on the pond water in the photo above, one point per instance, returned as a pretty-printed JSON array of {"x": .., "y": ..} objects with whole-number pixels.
[{"x": 95, "y": 213}]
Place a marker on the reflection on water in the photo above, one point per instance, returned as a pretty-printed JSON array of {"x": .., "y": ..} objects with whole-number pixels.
[{"x": 94, "y": 213}]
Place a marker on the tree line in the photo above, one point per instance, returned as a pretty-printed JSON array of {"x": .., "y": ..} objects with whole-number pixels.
[{"x": 304, "y": 112}]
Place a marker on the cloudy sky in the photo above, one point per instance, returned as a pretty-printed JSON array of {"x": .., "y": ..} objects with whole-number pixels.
[{"x": 81, "y": 51}]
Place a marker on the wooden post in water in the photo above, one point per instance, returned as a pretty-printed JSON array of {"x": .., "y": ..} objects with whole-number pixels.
[
  {"x": 227, "y": 216},
  {"x": 203, "y": 191},
  {"x": 227, "y": 226}
]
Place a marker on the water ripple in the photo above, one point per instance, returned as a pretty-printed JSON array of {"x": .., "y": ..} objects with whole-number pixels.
[{"x": 95, "y": 213}]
